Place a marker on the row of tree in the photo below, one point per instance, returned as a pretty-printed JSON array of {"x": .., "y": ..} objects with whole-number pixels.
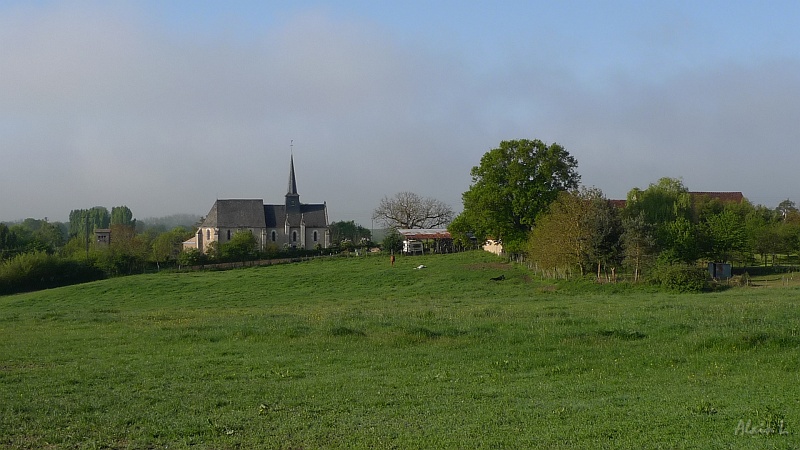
[
  {"x": 33, "y": 250},
  {"x": 527, "y": 195}
]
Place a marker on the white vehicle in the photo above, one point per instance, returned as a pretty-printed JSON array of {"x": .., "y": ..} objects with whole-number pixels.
[{"x": 412, "y": 247}]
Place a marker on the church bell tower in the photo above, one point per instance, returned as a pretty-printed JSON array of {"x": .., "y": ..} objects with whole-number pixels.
[{"x": 292, "y": 197}]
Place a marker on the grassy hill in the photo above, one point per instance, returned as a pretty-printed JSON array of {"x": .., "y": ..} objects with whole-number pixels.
[{"x": 353, "y": 353}]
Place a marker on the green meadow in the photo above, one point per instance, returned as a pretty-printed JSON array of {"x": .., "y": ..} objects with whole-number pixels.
[{"x": 354, "y": 353}]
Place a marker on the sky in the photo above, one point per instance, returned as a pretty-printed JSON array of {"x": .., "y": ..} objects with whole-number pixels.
[{"x": 166, "y": 106}]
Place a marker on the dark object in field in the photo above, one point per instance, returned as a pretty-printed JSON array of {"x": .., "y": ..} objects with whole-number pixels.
[{"x": 500, "y": 278}]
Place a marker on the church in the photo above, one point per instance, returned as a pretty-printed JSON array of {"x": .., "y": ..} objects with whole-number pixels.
[{"x": 284, "y": 226}]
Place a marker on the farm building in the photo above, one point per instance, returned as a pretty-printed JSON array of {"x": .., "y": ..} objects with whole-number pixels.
[{"x": 430, "y": 240}]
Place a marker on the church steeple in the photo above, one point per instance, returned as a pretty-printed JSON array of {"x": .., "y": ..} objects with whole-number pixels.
[
  {"x": 292, "y": 182},
  {"x": 292, "y": 197}
]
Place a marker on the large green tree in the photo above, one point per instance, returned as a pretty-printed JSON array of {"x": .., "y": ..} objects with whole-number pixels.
[
  {"x": 348, "y": 230},
  {"x": 242, "y": 246},
  {"x": 666, "y": 206},
  {"x": 513, "y": 184},
  {"x": 725, "y": 236},
  {"x": 82, "y": 221},
  {"x": 168, "y": 245},
  {"x": 122, "y": 215}
]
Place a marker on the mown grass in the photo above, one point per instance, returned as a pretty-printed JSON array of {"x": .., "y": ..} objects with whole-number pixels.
[{"x": 352, "y": 353}]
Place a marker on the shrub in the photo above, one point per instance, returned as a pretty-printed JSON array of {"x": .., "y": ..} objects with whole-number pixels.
[
  {"x": 681, "y": 278},
  {"x": 38, "y": 270}
]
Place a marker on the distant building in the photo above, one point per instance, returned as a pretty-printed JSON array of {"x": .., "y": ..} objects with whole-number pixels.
[
  {"x": 436, "y": 240},
  {"x": 288, "y": 225},
  {"x": 102, "y": 236}
]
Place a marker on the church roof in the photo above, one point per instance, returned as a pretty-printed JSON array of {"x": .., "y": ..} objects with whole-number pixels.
[
  {"x": 236, "y": 213},
  {"x": 314, "y": 215},
  {"x": 253, "y": 213}
]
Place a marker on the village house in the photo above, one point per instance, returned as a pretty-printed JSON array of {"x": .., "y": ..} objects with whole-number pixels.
[{"x": 288, "y": 225}]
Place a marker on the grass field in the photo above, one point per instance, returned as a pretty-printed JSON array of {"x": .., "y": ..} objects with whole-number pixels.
[{"x": 353, "y": 353}]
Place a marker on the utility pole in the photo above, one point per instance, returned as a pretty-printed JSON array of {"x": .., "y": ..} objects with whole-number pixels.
[{"x": 87, "y": 235}]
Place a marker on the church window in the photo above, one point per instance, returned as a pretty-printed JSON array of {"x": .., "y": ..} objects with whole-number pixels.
[
  {"x": 229, "y": 235},
  {"x": 208, "y": 233},
  {"x": 274, "y": 236},
  {"x": 294, "y": 236},
  {"x": 315, "y": 236}
]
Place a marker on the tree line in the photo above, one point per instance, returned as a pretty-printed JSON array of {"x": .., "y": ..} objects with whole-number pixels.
[
  {"x": 527, "y": 195},
  {"x": 36, "y": 253}
]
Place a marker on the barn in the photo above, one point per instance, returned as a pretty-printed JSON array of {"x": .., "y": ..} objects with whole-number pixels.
[{"x": 432, "y": 240}]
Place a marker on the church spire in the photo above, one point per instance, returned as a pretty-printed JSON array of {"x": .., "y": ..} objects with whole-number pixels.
[
  {"x": 292, "y": 197},
  {"x": 292, "y": 181}
]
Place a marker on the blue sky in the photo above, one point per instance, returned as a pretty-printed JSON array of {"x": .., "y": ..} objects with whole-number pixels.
[{"x": 165, "y": 106}]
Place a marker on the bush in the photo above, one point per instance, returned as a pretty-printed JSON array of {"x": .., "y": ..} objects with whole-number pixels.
[
  {"x": 38, "y": 270},
  {"x": 681, "y": 278}
]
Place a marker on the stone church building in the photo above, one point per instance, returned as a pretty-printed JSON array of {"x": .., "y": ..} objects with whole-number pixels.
[{"x": 288, "y": 225}]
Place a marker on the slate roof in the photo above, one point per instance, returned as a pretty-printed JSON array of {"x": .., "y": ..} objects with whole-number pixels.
[
  {"x": 236, "y": 213},
  {"x": 314, "y": 215},
  {"x": 253, "y": 213}
]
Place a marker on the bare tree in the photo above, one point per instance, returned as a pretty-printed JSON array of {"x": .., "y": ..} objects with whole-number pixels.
[{"x": 409, "y": 210}]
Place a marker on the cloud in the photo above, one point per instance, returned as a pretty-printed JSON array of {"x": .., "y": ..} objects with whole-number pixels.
[
  {"x": 103, "y": 104},
  {"x": 726, "y": 127}
]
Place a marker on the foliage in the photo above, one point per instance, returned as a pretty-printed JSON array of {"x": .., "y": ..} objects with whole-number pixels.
[
  {"x": 580, "y": 229},
  {"x": 31, "y": 235},
  {"x": 393, "y": 358},
  {"x": 678, "y": 241},
  {"x": 126, "y": 254},
  {"x": 785, "y": 208},
  {"x": 393, "y": 242},
  {"x": 122, "y": 215},
  {"x": 82, "y": 222},
  {"x": 725, "y": 236},
  {"x": 558, "y": 241},
  {"x": 513, "y": 184},
  {"x": 666, "y": 206},
  {"x": 662, "y": 202},
  {"x": 243, "y": 246},
  {"x": 191, "y": 257},
  {"x": 409, "y": 210},
  {"x": 681, "y": 278},
  {"x": 40, "y": 270},
  {"x": 461, "y": 232},
  {"x": 167, "y": 246},
  {"x": 348, "y": 230},
  {"x": 638, "y": 244}
]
